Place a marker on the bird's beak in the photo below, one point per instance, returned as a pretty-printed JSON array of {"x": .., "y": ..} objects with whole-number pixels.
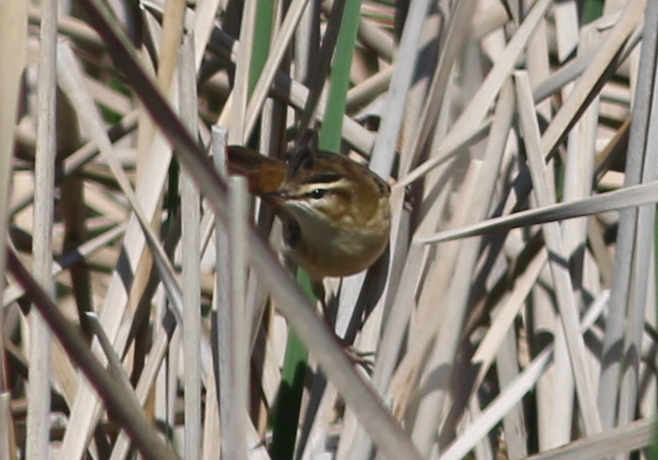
[{"x": 277, "y": 197}]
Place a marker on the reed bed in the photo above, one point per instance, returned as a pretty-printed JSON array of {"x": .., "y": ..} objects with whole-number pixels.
[{"x": 147, "y": 311}]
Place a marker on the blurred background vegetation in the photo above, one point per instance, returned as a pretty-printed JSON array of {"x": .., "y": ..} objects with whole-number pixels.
[{"x": 514, "y": 315}]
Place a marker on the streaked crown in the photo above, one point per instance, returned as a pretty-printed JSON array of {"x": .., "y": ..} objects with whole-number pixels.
[{"x": 333, "y": 184}]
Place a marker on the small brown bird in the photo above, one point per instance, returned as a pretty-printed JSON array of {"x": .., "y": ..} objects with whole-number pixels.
[{"x": 335, "y": 212}]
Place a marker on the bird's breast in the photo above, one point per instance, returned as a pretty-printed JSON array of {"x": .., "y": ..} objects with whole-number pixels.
[{"x": 340, "y": 247}]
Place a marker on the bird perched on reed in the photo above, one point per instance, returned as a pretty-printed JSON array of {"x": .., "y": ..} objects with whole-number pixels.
[{"x": 335, "y": 211}]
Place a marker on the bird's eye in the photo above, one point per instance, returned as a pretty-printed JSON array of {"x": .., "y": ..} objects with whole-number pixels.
[{"x": 318, "y": 193}]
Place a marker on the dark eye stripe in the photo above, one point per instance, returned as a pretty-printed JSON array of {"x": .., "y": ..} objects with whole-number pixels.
[{"x": 317, "y": 193}]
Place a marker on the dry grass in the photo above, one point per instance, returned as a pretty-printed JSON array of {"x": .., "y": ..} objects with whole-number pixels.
[{"x": 514, "y": 318}]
